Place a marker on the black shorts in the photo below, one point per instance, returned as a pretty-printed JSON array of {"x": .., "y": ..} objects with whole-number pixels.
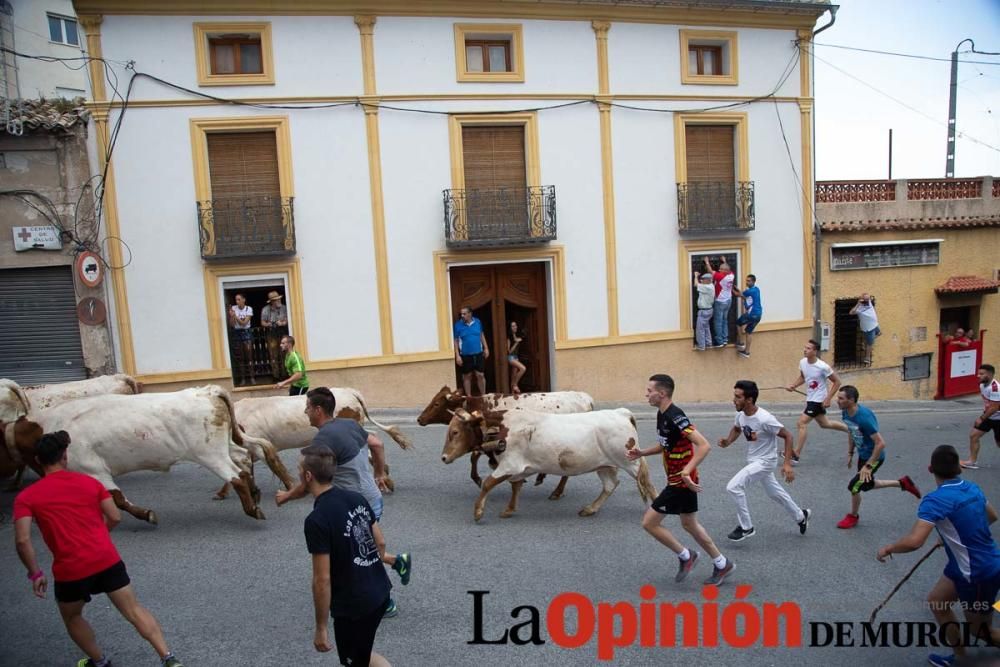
[
  {"x": 676, "y": 500},
  {"x": 977, "y": 597},
  {"x": 814, "y": 409},
  {"x": 855, "y": 485},
  {"x": 472, "y": 362},
  {"x": 356, "y": 636},
  {"x": 988, "y": 425},
  {"x": 105, "y": 581},
  {"x": 298, "y": 391}
]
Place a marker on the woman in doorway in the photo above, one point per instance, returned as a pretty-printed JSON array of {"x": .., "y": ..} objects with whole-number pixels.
[
  {"x": 242, "y": 316},
  {"x": 517, "y": 369}
]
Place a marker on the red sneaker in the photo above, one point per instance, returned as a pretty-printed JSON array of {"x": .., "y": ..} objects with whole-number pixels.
[
  {"x": 849, "y": 521},
  {"x": 906, "y": 484}
]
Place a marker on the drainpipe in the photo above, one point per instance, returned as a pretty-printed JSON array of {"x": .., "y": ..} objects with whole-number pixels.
[{"x": 817, "y": 234}]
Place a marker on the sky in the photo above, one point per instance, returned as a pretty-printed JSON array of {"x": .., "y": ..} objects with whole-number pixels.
[{"x": 853, "y": 120}]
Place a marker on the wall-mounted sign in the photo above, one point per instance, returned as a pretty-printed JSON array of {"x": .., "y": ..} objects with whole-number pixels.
[
  {"x": 847, "y": 256},
  {"x": 91, "y": 311},
  {"x": 963, "y": 364},
  {"x": 89, "y": 269},
  {"x": 36, "y": 238}
]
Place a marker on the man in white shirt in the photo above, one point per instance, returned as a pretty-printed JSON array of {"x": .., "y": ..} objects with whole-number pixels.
[
  {"x": 706, "y": 297},
  {"x": 762, "y": 431},
  {"x": 868, "y": 323},
  {"x": 723, "y": 300},
  {"x": 814, "y": 373},
  {"x": 990, "y": 419}
]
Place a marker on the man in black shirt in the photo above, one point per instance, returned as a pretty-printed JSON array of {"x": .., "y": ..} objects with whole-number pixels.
[{"x": 349, "y": 581}]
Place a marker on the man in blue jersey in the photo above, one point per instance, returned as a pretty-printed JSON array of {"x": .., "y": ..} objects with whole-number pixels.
[
  {"x": 962, "y": 516},
  {"x": 749, "y": 320},
  {"x": 471, "y": 350},
  {"x": 863, "y": 435}
]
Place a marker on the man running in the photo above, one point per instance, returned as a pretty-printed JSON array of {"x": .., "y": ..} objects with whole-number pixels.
[
  {"x": 683, "y": 448},
  {"x": 990, "y": 419},
  {"x": 349, "y": 444},
  {"x": 762, "y": 431},
  {"x": 962, "y": 516},
  {"x": 74, "y": 513},
  {"x": 814, "y": 373},
  {"x": 863, "y": 435}
]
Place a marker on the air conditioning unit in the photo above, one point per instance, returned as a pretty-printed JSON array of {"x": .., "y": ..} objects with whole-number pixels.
[{"x": 825, "y": 331}]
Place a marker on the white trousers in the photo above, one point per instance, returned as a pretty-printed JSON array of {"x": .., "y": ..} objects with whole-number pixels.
[{"x": 756, "y": 471}]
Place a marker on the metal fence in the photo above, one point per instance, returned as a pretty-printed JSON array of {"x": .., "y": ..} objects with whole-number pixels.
[
  {"x": 715, "y": 206},
  {"x": 246, "y": 227},
  {"x": 500, "y": 216}
]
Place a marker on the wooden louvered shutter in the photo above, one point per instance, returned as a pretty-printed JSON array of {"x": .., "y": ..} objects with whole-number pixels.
[
  {"x": 710, "y": 153},
  {"x": 493, "y": 157},
  {"x": 243, "y": 164}
]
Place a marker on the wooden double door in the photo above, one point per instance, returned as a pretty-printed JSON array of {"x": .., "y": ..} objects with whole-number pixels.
[{"x": 499, "y": 294}]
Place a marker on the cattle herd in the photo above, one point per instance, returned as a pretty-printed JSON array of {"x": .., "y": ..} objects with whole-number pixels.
[{"x": 117, "y": 429}]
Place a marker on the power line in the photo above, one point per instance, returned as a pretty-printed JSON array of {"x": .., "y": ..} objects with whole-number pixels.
[{"x": 912, "y": 55}]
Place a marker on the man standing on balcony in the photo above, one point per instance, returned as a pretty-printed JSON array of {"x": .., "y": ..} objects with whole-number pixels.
[
  {"x": 723, "y": 300},
  {"x": 274, "y": 319},
  {"x": 868, "y": 321},
  {"x": 471, "y": 350}
]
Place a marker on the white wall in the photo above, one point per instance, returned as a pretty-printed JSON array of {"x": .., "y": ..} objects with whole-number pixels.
[{"x": 31, "y": 36}]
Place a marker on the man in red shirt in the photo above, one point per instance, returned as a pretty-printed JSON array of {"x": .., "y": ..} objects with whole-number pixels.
[{"x": 74, "y": 513}]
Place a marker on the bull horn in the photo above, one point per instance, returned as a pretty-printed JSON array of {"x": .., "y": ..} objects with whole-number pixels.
[
  {"x": 462, "y": 414},
  {"x": 451, "y": 412}
]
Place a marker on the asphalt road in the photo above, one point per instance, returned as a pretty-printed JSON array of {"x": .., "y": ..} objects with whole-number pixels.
[{"x": 231, "y": 591}]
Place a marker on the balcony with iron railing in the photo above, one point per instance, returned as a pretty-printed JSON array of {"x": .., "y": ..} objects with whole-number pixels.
[
  {"x": 490, "y": 217},
  {"x": 715, "y": 206},
  {"x": 241, "y": 227}
]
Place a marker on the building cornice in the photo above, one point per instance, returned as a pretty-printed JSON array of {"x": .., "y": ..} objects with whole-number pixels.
[{"x": 748, "y": 13}]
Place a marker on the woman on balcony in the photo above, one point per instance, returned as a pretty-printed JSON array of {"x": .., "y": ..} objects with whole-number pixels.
[
  {"x": 517, "y": 369},
  {"x": 242, "y": 316}
]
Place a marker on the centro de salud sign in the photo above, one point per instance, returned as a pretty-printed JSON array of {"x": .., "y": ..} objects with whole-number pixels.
[{"x": 36, "y": 238}]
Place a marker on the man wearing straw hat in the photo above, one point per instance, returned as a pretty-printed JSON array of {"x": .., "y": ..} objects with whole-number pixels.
[{"x": 274, "y": 319}]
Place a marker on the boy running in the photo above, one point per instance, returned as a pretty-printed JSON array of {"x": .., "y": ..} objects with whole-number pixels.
[
  {"x": 813, "y": 373},
  {"x": 683, "y": 448},
  {"x": 762, "y": 431},
  {"x": 863, "y": 434},
  {"x": 989, "y": 387}
]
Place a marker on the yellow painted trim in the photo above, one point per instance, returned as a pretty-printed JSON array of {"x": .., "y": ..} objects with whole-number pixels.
[
  {"x": 513, "y": 30},
  {"x": 740, "y": 120},
  {"x": 653, "y": 337},
  {"x": 214, "y": 309},
  {"x": 366, "y": 26},
  {"x": 92, "y": 31},
  {"x": 732, "y": 48},
  {"x": 200, "y": 127},
  {"x": 795, "y": 16},
  {"x": 384, "y": 360},
  {"x": 430, "y": 97},
  {"x": 202, "y": 31},
  {"x": 684, "y": 249},
  {"x": 805, "y": 62},
  {"x": 808, "y": 194},
  {"x": 607, "y": 176},
  {"x": 185, "y": 376},
  {"x": 531, "y": 152},
  {"x": 601, "y": 34},
  {"x": 443, "y": 259}
]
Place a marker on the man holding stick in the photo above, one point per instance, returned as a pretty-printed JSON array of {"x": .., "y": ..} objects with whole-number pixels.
[{"x": 962, "y": 516}]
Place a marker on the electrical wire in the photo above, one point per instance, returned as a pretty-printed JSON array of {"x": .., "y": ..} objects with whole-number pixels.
[{"x": 912, "y": 55}]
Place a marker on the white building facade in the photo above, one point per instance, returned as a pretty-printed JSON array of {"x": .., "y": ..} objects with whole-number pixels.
[{"x": 566, "y": 166}]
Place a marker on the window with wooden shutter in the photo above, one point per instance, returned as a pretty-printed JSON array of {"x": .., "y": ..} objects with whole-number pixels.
[
  {"x": 495, "y": 183},
  {"x": 710, "y": 153}
]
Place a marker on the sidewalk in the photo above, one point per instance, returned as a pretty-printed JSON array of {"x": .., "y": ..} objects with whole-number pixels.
[{"x": 784, "y": 408}]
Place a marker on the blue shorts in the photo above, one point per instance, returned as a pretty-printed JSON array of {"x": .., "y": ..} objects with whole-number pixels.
[
  {"x": 871, "y": 335},
  {"x": 977, "y": 596},
  {"x": 241, "y": 335},
  {"x": 749, "y": 320}
]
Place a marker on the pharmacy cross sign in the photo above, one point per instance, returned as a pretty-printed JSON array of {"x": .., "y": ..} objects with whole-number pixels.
[
  {"x": 38, "y": 237},
  {"x": 24, "y": 234}
]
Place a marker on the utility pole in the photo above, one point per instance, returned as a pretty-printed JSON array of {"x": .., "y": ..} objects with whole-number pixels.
[
  {"x": 890, "y": 153},
  {"x": 949, "y": 169}
]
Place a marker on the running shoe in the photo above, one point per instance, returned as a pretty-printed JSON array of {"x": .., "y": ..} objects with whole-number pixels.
[
  {"x": 849, "y": 521},
  {"x": 738, "y": 534},
  {"x": 971, "y": 465},
  {"x": 685, "y": 567},
  {"x": 392, "y": 610},
  {"x": 720, "y": 573},
  {"x": 172, "y": 662},
  {"x": 403, "y": 567},
  {"x": 87, "y": 662},
  {"x": 805, "y": 522},
  {"x": 939, "y": 660},
  {"x": 795, "y": 459},
  {"x": 906, "y": 484},
  {"x": 744, "y": 354}
]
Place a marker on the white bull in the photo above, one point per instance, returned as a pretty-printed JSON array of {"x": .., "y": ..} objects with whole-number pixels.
[
  {"x": 113, "y": 435},
  {"x": 558, "y": 444}
]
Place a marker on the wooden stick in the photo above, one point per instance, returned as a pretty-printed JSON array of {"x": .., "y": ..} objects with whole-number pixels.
[
  {"x": 871, "y": 619},
  {"x": 785, "y": 389}
]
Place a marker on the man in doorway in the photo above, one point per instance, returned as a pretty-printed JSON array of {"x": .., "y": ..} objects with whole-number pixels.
[
  {"x": 762, "y": 431},
  {"x": 75, "y": 514},
  {"x": 723, "y": 300},
  {"x": 274, "y": 319},
  {"x": 347, "y": 547},
  {"x": 961, "y": 338},
  {"x": 471, "y": 350},
  {"x": 863, "y": 435},
  {"x": 753, "y": 312},
  {"x": 703, "y": 325},
  {"x": 868, "y": 323},
  {"x": 682, "y": 448},
  {"x": 295, "y": 368},
  {"x": 962, "y": 516},
  {"x": 814, "y": 373},
  {"x": 989, "y": 387}
]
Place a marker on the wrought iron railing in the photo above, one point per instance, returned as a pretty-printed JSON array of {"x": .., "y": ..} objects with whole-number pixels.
[
  {"x": 246, "y": 227},
  {"x": 499, "y": 216},
  {"x": 715, "y": 206}
]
